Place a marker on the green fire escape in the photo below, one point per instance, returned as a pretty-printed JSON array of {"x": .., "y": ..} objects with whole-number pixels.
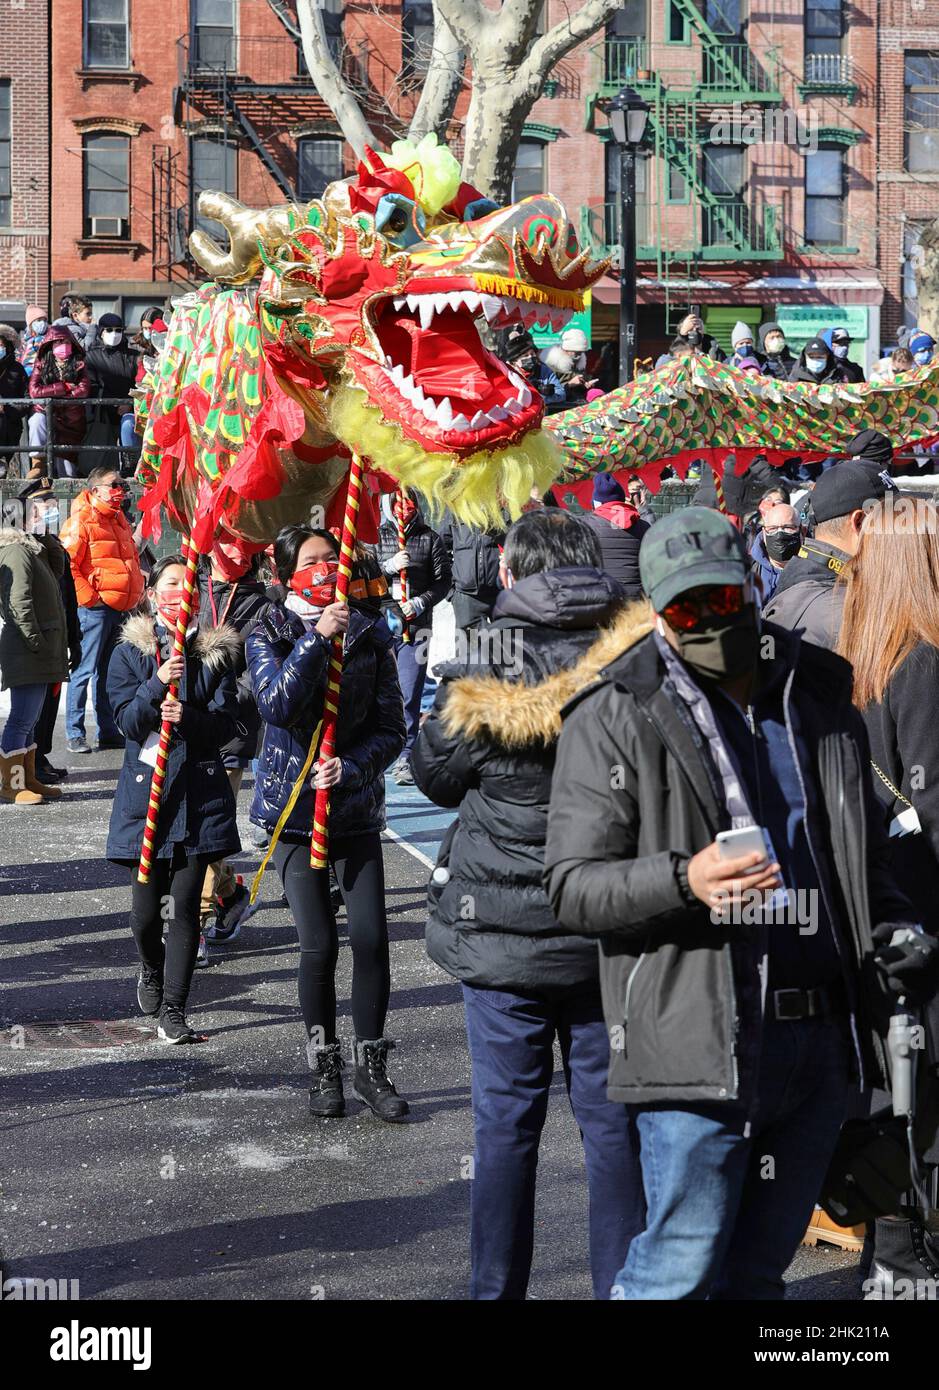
[{"x": 716, "y": 225}]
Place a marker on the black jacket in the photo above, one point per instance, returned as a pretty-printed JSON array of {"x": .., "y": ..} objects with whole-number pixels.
[
  {"x": 487, "y": 748},
  {"x": 198, "y": 808},
  {"x": 742, "y": 493},
  {"x": 288, "y": 667},
  {"x": 635, "y": 795},
  {"x": 808, "y": 598},
  {"x": 474, "y": 560},
  {"x": 781, "y": 364},
  {"x": 240, "y": 610},
  {"x": 112, "y": 372},
  {"x": 428, "y": 568},
  {"x": 619, "y": 547},
  {"x": 902, "y": 730},
  {"x": 832, "y": 371},
  {"x": 14, "y": 383}
]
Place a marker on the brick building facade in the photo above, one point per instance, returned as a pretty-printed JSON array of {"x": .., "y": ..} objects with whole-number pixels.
[
  {"x": 24, "y": 158},
  {"x": 150, "y": 103}
]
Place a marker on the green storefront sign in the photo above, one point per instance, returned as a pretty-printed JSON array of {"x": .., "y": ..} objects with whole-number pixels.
[
  {"x": 800, "y": 322},
  {"x": 546, "y": 337}
]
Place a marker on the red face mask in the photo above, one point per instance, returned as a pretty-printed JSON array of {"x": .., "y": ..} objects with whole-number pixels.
[
  {"x": 168, "y": 606},
  {"x": 231, "y": 558},
  {"x": 317, "y": 583}
]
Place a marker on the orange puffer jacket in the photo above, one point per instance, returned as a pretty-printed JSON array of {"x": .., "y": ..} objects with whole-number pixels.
[{"x": 103, "y": 555}]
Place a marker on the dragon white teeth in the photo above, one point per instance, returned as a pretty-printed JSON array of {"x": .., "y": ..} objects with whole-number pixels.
[
  {"x": 497, "y": 413},
  {"x": 513, "y": 407},
  {"x": 445, "y": 413},
  {"x": 429, "y": 409},
  {"x": 524, "y": 396},
  {"x": 461, "y": 423},
  {"x": 397, "y": 373},
  {"x": 418, "y": 398},
  {"x": 426, "y": 310},
  {"x": 413, "y": 300},
  {"x": 445, "y": 301},
  {"x": 406, "y": 386},
  {"x": 479, "y": 421},
  {"x": 399, "y": 303},
  {"x": 471, "y": 300},
  {"x": 492, "y": 305}
]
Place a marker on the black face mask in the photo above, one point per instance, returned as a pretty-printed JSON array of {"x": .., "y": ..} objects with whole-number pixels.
[
  {"x": 781, "y": 547},
  {"x": 722, "y": 648},
  {"x": 694, "y": 338}
]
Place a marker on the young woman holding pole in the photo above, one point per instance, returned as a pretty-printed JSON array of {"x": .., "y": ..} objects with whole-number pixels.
[{"x": 289, "y": 660}]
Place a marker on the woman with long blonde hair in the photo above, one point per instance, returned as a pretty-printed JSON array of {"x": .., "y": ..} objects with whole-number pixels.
[{"x": 890, "y": 634}]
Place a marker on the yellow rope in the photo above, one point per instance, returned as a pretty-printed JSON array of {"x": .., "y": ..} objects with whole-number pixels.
[{"x": 285, "y": 813}]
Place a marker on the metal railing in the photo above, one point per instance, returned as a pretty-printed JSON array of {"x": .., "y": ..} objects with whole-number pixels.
[
  {"x": 729, "y": 231},
  {"x": 737, "y": 228},
  {"x": 203, "y": 60},
  {"x": 50, "y": 450},
  {"x": 623, "y": 61},
  {"x": 828, "y": 67},
  {"x": 731, "y": 68}
]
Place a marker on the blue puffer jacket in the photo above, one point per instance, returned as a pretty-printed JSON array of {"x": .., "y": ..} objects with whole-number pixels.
[
  {"x": 198, "y": 808},
  {"x": 288, "y": 668}
]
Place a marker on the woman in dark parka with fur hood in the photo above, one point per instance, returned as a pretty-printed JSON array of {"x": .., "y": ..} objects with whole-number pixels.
[
  {"x": 197, "y": 816},
  {"x": 487, "y": 748}
]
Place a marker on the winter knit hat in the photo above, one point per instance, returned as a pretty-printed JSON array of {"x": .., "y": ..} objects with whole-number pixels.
[
  {"x": 921, "y": 342},
  {"x": 749, "y": 364},
  {"x": 742, "y": 333},
  {"x": 107, "y": 321},
  {"x": 607, "y": 489},
  {"x": 34, "y": 312},
  {"x": 574, "y": 340}
]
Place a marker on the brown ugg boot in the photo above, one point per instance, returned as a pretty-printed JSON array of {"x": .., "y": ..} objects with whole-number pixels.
[
  {"x": 13, "y": 780},
  {"x": 33, "y": 783}
]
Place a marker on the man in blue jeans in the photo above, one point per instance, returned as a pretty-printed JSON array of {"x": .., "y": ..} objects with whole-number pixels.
[
  {"x": 108, "y": 585},
  {"x": 732, "y": 981}
]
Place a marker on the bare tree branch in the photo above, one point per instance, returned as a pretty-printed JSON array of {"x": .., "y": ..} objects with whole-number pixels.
[
  {"x": 558, "y": 42},
  {"x": 466, "y": 19},
  {"x": 328, "y": 80},
  {"x": 282, "y": 10},
  {"x": 442, "y": 82}
]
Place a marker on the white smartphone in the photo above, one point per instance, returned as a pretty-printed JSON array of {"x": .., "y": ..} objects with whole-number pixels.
[{"x": 749, "y": 839}]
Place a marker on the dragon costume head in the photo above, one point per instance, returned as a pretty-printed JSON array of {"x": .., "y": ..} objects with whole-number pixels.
[{"x": 366, "y": 333}]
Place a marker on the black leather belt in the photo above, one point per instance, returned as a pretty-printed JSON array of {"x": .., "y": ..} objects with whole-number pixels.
[{"x": 822, "y": 1001}]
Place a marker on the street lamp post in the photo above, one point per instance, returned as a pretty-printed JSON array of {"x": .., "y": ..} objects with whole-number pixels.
[{"x": 627, "y": 114}]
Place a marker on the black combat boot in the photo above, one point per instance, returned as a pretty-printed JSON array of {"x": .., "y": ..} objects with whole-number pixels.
[
  {"x": 370, "y": 1083},
  {"x": 326, "y": 1098}
]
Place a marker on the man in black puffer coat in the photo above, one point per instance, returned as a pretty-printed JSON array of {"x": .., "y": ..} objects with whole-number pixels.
[
  {"x": 424, "y": 559},
  {"x": 487, "y": 747},
  {"x": 474, "y": 562}
]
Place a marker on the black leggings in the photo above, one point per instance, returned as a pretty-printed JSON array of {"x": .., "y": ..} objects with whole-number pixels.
[
  {"x": 171, "y": 900},
  {"x": 361, "y": 874}
]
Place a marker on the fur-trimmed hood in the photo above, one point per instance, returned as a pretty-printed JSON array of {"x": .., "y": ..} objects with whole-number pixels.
[
  {"x": 216, "y": 647},
  {"x": 12, "y": 535},
  {"x": 516, "y": 715},
  {"x": 9, "y": 334}
]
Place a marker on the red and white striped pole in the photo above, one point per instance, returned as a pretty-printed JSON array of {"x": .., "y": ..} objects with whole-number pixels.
[
  {"x": 320, "y": 838},
  {"x": 402, "y": 574},
  {"x": 166, "y": 728}
]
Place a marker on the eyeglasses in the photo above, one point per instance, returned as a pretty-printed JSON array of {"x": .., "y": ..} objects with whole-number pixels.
[
  {"x": 780, "y": 530},
  {"x": 686, "y": 612}
]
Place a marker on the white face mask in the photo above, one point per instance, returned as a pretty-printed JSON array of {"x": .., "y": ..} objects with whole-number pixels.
[
  {"x": 840, "y": 350},
  {"x": 815, "y": 364},
  {"x": 111, "y": 337},
  {"x": 38, "y": 327},
  {"x": 145, "y": 332},
  {"x": 923, "y": 357}
]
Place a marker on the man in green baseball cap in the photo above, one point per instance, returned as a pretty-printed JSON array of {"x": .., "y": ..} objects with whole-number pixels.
[{"x": 710, "y": 805}]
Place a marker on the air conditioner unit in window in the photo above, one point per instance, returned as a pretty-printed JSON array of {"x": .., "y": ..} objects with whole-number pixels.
[{"x": 107, "y": 226}]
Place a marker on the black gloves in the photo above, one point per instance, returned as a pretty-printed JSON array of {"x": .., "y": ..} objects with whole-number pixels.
[{"x": 911, "y": 967}]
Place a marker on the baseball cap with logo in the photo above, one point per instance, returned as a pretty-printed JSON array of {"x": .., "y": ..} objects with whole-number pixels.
[{"x": 688, "y": 549}]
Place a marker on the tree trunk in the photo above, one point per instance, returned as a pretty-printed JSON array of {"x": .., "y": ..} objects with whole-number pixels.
[
  {"x": 927, "y": 280},
  {"x": 491, "y": 136}
]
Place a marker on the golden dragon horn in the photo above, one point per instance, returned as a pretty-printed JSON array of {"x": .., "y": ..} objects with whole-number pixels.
[{"x": 246, "y": 227}]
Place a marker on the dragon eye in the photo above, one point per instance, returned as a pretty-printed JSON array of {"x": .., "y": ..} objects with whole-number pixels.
[{"x": 400, "y": 220}]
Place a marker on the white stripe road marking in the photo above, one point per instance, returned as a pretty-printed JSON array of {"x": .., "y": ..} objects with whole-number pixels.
[{"x": 400, "y": 840}]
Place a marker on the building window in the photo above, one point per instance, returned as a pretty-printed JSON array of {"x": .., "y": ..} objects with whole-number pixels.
[
  {"x": 825, "y": 198},
  {"x": 213, "y": 34},
  {"x": 724, "y": 17},
  {"x": 6, "y": 188},
  {"x": 107, "y": 185},
  {"x": 213, "y": 164},
  {"x": 921, "y": 112},
  {"x": 912, "y": 254},
  {"x": 417, "y": 37},
  {"x": 107, "y": 34},
  {"x": 528, "y": 177},
  {"x": 677, "y": 185},
  {"x": 678, "y": 27},
  {"x": 725, "y": 220},
  {"x": 319, "y": 162}
]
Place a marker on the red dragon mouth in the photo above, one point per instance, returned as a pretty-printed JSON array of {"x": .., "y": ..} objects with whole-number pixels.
[{"x": 439, "y": 379}]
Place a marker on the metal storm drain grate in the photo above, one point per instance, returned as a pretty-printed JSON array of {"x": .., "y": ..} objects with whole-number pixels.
[{"x": 82, "y": 1034}]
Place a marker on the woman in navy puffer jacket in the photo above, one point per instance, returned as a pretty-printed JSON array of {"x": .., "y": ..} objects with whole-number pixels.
[{"x": 288, "y": 659}]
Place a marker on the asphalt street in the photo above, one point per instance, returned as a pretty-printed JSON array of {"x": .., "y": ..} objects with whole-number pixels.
[{"x": 144, "y": 1171}]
